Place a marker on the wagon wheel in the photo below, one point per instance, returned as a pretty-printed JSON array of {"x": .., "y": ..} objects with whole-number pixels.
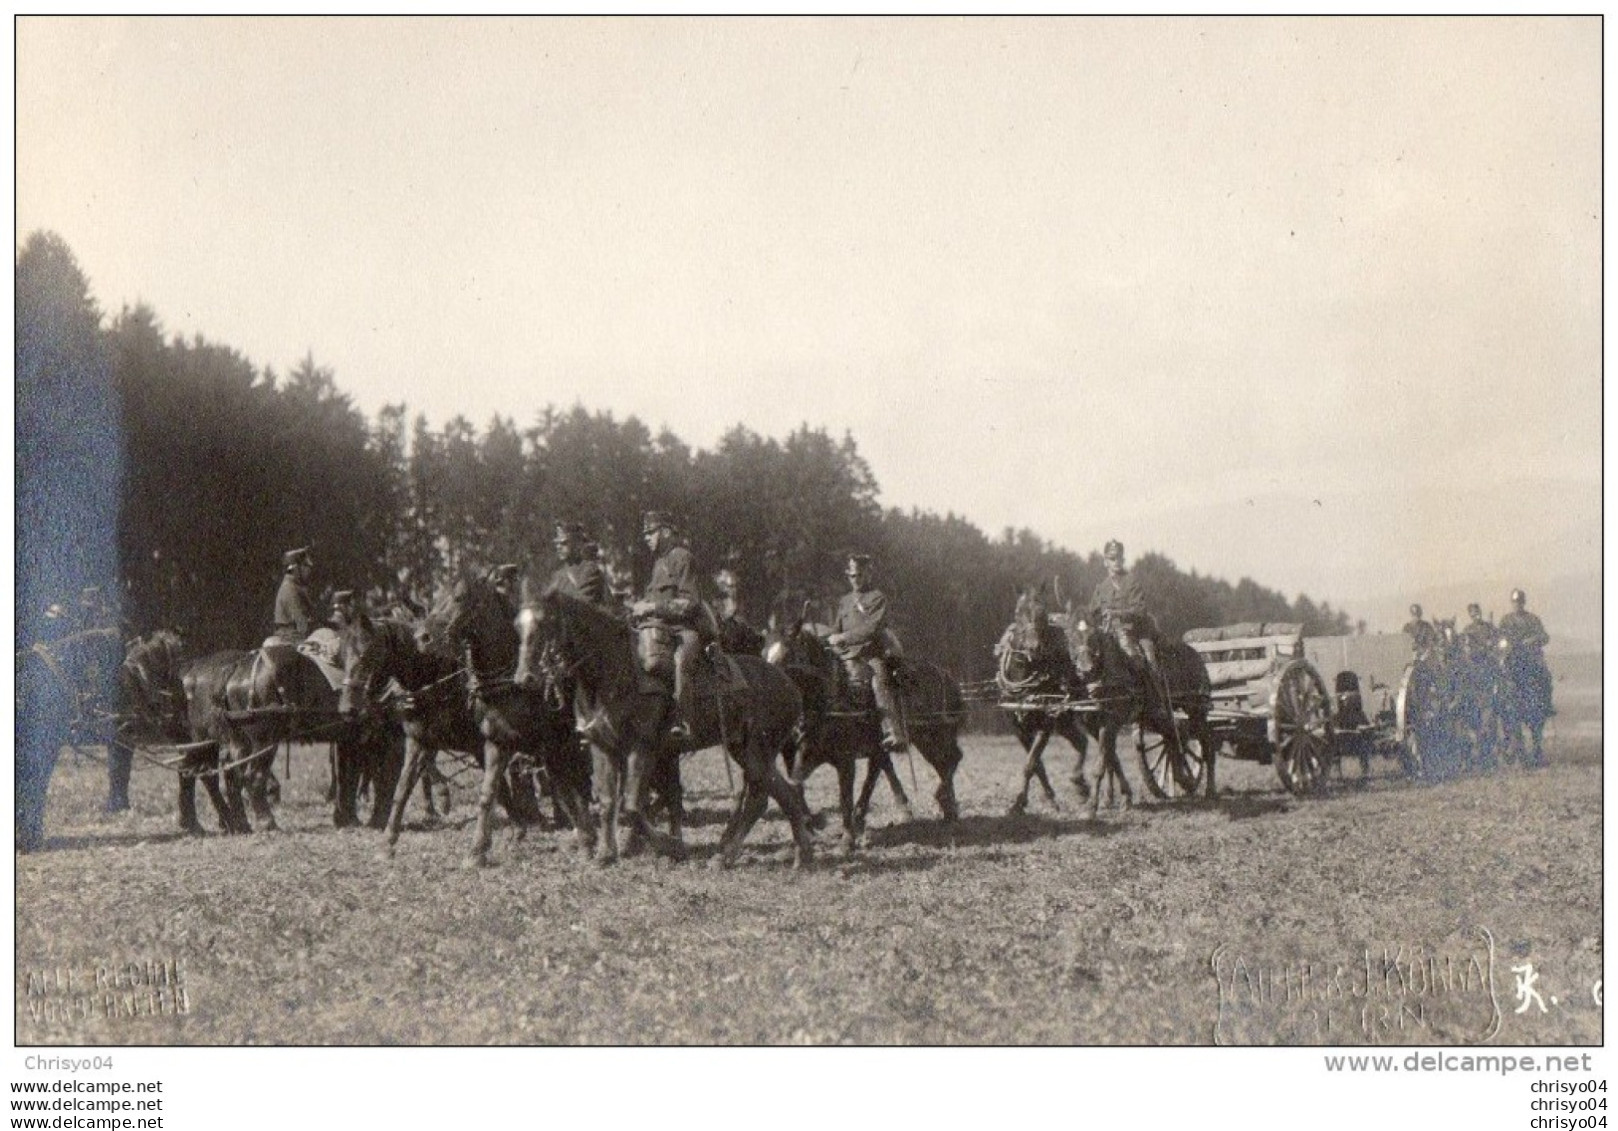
[
  {"x": 1415, "y": 713},
  {"x": 1172, "y": 767},
  {"x": 1300, "y": 728}
]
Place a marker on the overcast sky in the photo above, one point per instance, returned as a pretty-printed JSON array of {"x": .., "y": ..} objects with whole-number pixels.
[{"x": 1314, "y": 301}]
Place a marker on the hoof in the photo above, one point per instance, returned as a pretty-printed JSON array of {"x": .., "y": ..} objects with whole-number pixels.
[
  {"x": 1017, "y": 808},
  {"x": 474, "y": 862},
  {"x": 907, "y": 814},
  {"x": 802, "y": 858},
  {"x": 604, "y": 859},
  {"x": 720, "y": 863}
]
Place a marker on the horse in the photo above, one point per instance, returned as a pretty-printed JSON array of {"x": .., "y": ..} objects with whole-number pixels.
[
  {"x": 1034, "y": 663},
  {"x": 841, "y": 725},
  {"x": 1126, "y": 693},
  {"x": 513, "y": 715},
  {"x": 1524, "y": 702},
  {"x": 624, "y": 711},
  {"x": 151, "y": 707},
  {"x": 59, "y": 686},
  {"x": 389, "y": 666}
]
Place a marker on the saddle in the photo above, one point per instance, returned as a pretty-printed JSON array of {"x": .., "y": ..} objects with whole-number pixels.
[
  {"x": 323, "y": 646},
  {"x": 714, "y": 672}
]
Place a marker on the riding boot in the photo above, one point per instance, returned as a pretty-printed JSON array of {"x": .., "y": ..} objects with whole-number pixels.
[
  {"x": 894, "y": 738},
  {"x": 685, "y": 659}
]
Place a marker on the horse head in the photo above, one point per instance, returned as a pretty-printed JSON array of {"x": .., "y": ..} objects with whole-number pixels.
[
  {"x": 152, "y": 688},
  {"x": 374, "y": 652}
]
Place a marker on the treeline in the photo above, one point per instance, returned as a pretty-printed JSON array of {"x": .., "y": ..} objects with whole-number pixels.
[{"x": 207, "y": 468}]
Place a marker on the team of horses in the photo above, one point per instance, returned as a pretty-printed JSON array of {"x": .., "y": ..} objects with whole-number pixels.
[
  {"x": 566, "y": 697},
  {"x": 1481, "y": 703}
]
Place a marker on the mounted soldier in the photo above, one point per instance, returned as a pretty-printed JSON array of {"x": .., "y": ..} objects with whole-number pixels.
[
  {"x": 1522, "y": 635},
  {"x": 1479, "y": 635},
  {"x": 1420, "y": 631},
  {"x": 1119, "y": 608},
  {"x": 295, "y": 615},
  {"x": 503, "y": 579},
  {"x": 580, "y": 575},
  {"x": 863, "y": 641},
  {"x": 673, "y": 603}
]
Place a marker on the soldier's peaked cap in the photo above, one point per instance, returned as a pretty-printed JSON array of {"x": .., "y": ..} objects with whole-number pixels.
[
  {"x": 1518, "y": 595},
  {"x": 342, "y": 597},
  {"x": 656, "y": 520},
  {"x": 570, "y": 531},
  {"x": 504, "y": 570},
  {"x": 294, "y": 557},
  {"x": 858, "y": 561},
  {"x": 1113, "y": 549}
]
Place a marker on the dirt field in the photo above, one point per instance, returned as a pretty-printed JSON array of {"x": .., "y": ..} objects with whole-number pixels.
[{"x": 1387, "y": 912}]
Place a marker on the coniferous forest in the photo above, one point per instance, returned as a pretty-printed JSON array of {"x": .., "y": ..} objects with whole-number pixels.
[{"x": 174, "y": 473}]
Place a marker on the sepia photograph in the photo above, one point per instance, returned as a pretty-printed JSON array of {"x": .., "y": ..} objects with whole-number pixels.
[{"x": 1075, "y": 535}]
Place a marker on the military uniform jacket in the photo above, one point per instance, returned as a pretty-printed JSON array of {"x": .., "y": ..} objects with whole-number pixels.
[
  {"x": 1524, "y": 630},
  {"x": 1121, "y": 599},
  {"x": 1424, "y": 634},
  {"x": 862, "y": 619},
  {"x": 585, "y": 580},
  {"x": 1480, "y": 633},
  {"x": 294, "y": 611},
  {"x": 673, "y": 588}
]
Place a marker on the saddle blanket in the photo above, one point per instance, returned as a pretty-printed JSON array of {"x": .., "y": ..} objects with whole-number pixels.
[{"x": 324, "y": 647}]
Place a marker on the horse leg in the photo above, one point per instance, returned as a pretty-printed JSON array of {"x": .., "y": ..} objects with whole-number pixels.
[
  {"x": 900, "y": 798},
  {"x": 853, "y": 818},
  {"x": 416, "y": 762},
  {"x": 609, "y": 790},
  {"x": 120, "y": 762},
  {"x": 495, "y": 758},
  {"x": 873, "y": 770},
  {"x": 258, "y": 773},
  {"x": 345, "y": 773},
  {"x": 775, "y": 786},
  {"x": 389, "y": 766},
  {"x": 753, "y": 803},
  {"x": 799, "y": 764},
  {"x": 942, "y": 752},
  {"x": 1074, "y": 733}
]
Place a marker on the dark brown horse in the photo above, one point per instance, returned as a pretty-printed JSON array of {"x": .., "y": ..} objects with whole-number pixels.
[
  {"x": 1524, "y": 702},
  {"x": 389, "y": 668},
  {"x": 151, "y": 708},
  {"x": 750, "y": 708},
  {"x": 841, "y": 724},
  {"x": 1126, "y": 693},
  {"x": 513, "y": 715},
  {"x": 1036, "y": 670},
  {"x": 215, "y": 743}
]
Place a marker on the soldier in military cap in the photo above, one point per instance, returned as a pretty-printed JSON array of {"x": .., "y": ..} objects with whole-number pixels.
[
  {"x": 1420, "y": 631},
  {"x": 503, "y": 579},
  {"x": 344, "y": 608},
  {"x": 294, "y": 607},
  {"x": 861, "y": 638},
  {"x": 674, "y": 599},
  {"x": 580, "y": 575},
  {"x": 1479, "y": 634},
  {"x": 1521, "y": 627},
  {"x": 1119, "y": 607}
]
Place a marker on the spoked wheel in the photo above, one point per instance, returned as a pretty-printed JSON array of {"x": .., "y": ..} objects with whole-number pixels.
[
  {"x": 1173, "y": 766},
  {"x": 1300, "y": 729}
]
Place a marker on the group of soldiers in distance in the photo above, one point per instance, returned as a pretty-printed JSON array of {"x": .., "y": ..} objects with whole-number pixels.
[
  {"x": 1519, "y": 630},
  {"x": 860, "y": 634}
]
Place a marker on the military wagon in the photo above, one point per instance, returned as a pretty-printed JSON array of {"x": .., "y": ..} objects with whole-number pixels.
[{"x": 1298, "y": 703}]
